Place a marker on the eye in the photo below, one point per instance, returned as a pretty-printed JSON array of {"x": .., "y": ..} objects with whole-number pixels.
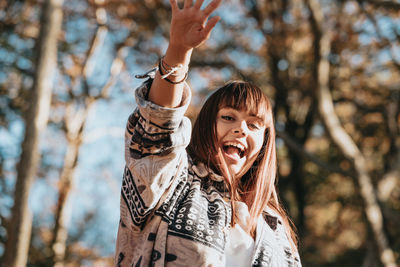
[
  {"x": 255, "y": 125},
  {"x": 226, "y": 117}
]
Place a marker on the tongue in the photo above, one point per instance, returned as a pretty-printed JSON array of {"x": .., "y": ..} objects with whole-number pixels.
[{"x": 232, "y": 151}]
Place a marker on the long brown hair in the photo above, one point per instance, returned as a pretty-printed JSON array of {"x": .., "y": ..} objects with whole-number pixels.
[{"x": 257, "y": 187}]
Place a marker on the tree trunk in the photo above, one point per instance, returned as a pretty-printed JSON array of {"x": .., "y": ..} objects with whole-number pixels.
[
  {"x": 19, "y": 230},
  {"x": 343, "y": 140},
  {"x": 75, "y": 124}
]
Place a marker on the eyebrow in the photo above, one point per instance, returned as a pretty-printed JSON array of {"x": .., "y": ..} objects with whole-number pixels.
[{"x": 259, "y": 119}]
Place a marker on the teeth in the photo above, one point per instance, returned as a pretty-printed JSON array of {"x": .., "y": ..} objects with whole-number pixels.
[{"x": 237, "y": 145}]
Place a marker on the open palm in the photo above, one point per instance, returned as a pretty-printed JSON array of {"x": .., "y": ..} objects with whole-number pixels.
[{"x": 189, "y": 25}]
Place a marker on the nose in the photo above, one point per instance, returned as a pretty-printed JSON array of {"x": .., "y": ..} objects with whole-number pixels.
[{"x": 241, "y": 128}]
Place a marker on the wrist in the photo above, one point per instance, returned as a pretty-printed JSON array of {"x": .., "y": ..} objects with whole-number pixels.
[{"x": 176, "y": 55}]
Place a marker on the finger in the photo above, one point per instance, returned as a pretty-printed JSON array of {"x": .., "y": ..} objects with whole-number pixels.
[
  {"x": 188, "y": 3},
  {"x": 174, "y": 5},
  {"x": 210, "y": 25},
  {"x": 211, "y": 7},
  {"x": 198, "y": 4}
]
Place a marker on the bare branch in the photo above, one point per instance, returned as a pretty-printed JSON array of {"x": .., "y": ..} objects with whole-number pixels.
[
  {"x": 385, "y": 4},
  {"x": 297, "y": 148},
  {"x": 116, "y": 68},
  {"x": 383, "y": 38}
]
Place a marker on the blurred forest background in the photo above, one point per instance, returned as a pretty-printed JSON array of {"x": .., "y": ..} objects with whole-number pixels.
[{"x": 330, "y": 67}]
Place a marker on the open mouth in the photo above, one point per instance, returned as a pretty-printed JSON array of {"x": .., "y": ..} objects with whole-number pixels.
[{"x": 234, "y": 149}]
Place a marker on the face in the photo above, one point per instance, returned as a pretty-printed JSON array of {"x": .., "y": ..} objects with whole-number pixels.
[{"x": 240, "y": 137}]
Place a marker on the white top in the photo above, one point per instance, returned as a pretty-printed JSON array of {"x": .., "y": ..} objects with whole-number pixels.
[{"x": 239, "y": 248}]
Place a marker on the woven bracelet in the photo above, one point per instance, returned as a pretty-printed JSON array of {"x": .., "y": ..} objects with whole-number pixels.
[{"x": 166, "y": 78}]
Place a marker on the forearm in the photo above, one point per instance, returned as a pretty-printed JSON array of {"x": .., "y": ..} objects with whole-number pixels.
[{"x": 165, "y": 93}]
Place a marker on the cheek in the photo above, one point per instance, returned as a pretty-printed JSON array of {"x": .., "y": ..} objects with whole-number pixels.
[
  {"x": 258, "y": 142},
  {"x": 220, "y": 129}
]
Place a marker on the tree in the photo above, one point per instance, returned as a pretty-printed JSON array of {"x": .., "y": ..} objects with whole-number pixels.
[
  {"x": 19, "y": 231},
  {"x": 74, "y": 124},
  {"x": 342, "y": 139}
]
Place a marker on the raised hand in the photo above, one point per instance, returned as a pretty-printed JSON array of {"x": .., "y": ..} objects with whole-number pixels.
[{"x": 189, "y": 25}]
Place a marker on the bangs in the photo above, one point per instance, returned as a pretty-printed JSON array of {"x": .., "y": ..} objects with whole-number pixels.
[{"x": 247, "y": 97}]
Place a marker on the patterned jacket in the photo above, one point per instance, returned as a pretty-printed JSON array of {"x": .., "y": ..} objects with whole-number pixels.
[{"x": 175, "y": 213}]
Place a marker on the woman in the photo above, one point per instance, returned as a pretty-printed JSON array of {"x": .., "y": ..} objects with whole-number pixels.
[{"x": 206, "y": 199}]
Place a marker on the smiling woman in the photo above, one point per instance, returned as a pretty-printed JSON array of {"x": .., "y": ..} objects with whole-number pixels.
[
  {"x": 239, "y": 113},
  {"x": 206, "y": 198}
]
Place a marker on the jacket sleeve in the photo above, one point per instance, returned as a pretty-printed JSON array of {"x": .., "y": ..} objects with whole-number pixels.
[{"x": 155, "y": 142}]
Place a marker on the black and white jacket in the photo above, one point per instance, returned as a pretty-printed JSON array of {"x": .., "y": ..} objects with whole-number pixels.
[{"x": 174, "y": 213}]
